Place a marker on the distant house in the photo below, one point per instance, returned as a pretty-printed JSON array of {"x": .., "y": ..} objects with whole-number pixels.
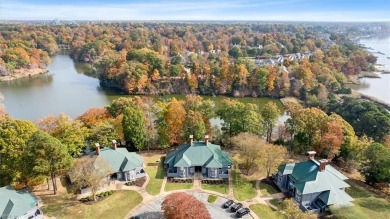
[
  {"x": 18, "y": 204},
  {"x": 201, "y": 157},
  {"x": 313, "y": 184}
]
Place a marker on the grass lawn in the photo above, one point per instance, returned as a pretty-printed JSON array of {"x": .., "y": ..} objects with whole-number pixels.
[
  {"x": 242, "y": 188},
  {"x": 221, "y": 188},
  {"x": 266, "y": 189},
  {"x": 115, "y": 206},
  {"x": 176, "y": 186},
  {"x": 278, "y": 203},
  {"x": 212, "y": 198},
  {"x": 264, "y": 211},
  {"x": 367, "y": 206},
  {"x": 156, "y": 174}
]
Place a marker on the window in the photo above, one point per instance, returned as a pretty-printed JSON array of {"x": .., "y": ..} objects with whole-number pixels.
[{"x": 213, "y": 172}]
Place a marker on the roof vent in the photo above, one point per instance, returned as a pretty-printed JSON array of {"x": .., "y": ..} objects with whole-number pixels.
[{"x": 323, "y": 163}]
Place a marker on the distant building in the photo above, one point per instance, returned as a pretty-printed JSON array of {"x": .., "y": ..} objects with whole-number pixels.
[
  {"x": 201, "y": 157},
  {"x": 313, "y": 184},
  {"x": 20, "y": 204}
]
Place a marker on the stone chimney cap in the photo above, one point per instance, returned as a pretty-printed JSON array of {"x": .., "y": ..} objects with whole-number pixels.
[
  {"x": 311, "y": 152},
  {"x": 97, "y": 145},
  {"x": 114, "y": 141},
  {"x": 191, "y": 136},
  {"x": 206, "y": 136}
]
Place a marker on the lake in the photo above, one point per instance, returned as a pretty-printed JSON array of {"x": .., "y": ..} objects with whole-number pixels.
[
  {"x": 377, "y": 87},
  {"x": 68, "y": 89}
]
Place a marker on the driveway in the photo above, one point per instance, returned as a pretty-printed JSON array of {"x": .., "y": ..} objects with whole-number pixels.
[{"x": 152, "y": 210}]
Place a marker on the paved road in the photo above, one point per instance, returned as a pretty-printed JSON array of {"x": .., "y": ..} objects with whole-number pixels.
[{"x": 152, "y": 210}]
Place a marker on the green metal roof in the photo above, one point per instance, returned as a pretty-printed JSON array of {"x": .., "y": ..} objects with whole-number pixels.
[
  {"x": 120, "y": 159},
  {"x": 16, "y": 203},
  {"x": 198, "y": 154},
  {"x": 308, "y": 178},
  {"x": 336, "y": 197}
]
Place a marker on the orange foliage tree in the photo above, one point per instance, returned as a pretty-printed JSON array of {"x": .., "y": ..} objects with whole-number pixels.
[
  {"x": 94, "y": 116},
  {"x": 182, "y": 205},
  {"x": 174, "y": 117}
]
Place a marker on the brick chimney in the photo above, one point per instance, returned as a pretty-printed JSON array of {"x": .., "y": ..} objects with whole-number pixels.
[
  {"x": 97, "y": 145},
  {"x": 323, "y": 163},
  {"x": 114, "y": 144},
  {"x": 191, "y": 140},
  {"x": 310, "y": 155},
  {"x": 206, "y": 139}
]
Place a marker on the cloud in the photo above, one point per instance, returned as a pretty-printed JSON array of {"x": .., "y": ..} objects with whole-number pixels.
[{"x": 182, "y": 10}]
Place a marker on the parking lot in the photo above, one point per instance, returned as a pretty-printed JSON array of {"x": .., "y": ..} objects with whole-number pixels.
[{"x": 152, "y": 210}]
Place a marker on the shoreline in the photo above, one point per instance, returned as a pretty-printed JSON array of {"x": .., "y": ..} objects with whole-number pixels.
[
  {"x": 23, "y": 73},
  {"x": 357, "y": 94}
]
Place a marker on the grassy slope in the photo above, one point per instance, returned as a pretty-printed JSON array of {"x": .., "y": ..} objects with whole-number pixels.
[
  {"x": 367, "y": 206},
  {"x": 242, "y": 188},
  {"x": 264, "y": 211},
  {"x": 224, "y": 189},
  {"x": 267, "y": 189},
  {"x": 115, "y": 206},
  {"x": 177, "y": 186}
]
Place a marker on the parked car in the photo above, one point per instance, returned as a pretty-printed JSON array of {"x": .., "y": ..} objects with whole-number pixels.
[
  {"x": 242, "y": 212},
  {"x": 235, "y": 207},
  {"x": 228, "y": 204},
  {"x": 136, "y": 217}
]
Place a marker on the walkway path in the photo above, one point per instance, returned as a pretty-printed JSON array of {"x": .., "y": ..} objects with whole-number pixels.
[{"x": 147, "y": 198}]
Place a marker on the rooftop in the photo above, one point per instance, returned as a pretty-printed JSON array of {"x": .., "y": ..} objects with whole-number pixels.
[
  {"x": 198, "y": 154},
  {"x": 16, "y": 203}
]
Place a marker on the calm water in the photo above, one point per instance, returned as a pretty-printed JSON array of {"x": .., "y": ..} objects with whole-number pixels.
[
  {"x": 67, "y": 89},
  {"x": 377, "y": 87}
]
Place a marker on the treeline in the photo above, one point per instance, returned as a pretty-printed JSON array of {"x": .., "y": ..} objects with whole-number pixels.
[
  {"x": 153, "y": 58},
  {"x": 31, "y": 152},
  {"x": 24, "y": 47}
]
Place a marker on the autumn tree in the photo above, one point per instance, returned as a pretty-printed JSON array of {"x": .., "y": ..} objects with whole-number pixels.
[
  {"x": 271, "y": 156},
  {"x": 15, "y": 135},
  {"x": 182, "y": 205},
  {"x": 91, "y": 172},
  {"x": 94, "y": 116},
  {"x": 249, "y": 146},
  {"x": 331, "y": 141},
  {"x": 174, "y": 117},
  {"x": 50, "y": 156},
  {"x": 270, "y": 114},
  {"x": 70, "y": 132}
]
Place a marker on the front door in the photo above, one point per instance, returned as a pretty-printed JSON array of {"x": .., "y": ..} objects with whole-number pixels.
[{"x": 198, "y": 169}]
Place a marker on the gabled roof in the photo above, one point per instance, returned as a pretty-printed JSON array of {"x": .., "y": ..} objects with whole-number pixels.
[
  {"x": 308, "y": 178},
  {"x": 336, "y": 197},
  {"x": 16, "y": 203},
  {"x": 120, "y": 160},
  {"x": 198, "y": 154}
]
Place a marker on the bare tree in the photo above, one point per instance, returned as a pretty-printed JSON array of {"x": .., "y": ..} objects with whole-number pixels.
[{"x": 90, "y": 172}]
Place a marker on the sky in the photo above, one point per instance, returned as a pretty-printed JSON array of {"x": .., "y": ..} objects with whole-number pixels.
[{"x": 262, "y": 10}]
